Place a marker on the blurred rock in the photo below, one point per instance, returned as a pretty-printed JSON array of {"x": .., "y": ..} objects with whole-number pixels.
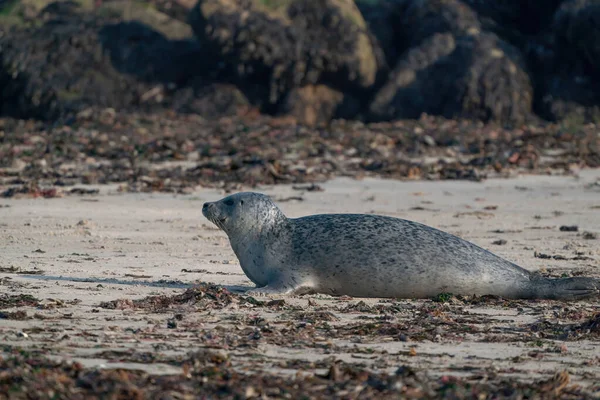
[
  {"x": 471, "y": 76},
  {"x": 77, "y": 60},
  {"x": 577, "y": 31},
  {"x": 567, "y": 69},
  {"x": 515, "y": 20},
  {"x": 212, "y": 101},
  {"x": 137, "y": 49},
  {"x": 569, "y": 97},
  {"x": 313, "y": 60},
  {"x": 405, "y": 95},
  {"x": 146, "y": 13},
  {"x": 380, "y": 18},
  {"x": 23, "y": 13},
  {"x": 315, "y": 105},
  {"x": 59, "y": 67},
  {"x": 418, "y": 20},
  {"x": 285, "y": 45}
]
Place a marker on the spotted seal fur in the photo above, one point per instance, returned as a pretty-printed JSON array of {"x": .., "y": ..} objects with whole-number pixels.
[{"x": 365, "y": 255}]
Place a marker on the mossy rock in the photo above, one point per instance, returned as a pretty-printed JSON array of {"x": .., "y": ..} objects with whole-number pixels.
[
  {"x": 146, "y": 13},
  {"x": 22, "y": 13},
  {"x": 478, "y": 77},
  {"x": 569, "y": 98},
  {"x": 290, "y": 43},
  {"x": 515, "y": 20},
  {"x": 418, "y": 20},
  {"x": 317, "y": 105},
  {"x": 212, "y": 101},
  {"x": 88, "y": 60},
  {"x": 567, "y": 65},
  {"x": 577, "y": 31},
  {"x": 47, "y": 72}
]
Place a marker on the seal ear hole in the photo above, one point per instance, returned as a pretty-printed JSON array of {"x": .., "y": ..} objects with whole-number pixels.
[
  {"x": 228, "y": 202},
  {"x": 241, "y": 202}
]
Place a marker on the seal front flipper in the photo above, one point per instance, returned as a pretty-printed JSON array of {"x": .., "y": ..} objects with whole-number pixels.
[
  {"x": 269, "y": 290},
  {"x": 279, "y": 287}
]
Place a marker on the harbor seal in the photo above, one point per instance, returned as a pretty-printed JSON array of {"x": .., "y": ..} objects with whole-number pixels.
[{"x": 363, "y": 255}]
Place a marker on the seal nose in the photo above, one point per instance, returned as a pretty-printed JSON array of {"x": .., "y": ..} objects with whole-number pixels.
[{"x": 205, "y": 206}]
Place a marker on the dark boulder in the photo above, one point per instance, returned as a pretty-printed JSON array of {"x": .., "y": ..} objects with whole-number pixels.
[
  {"x": 405, "y": 95},
  {"x": 316, "y": 105},
  {"x": 59, "y": 67},
  {"x": 577, "y": 34},
  {"x": 470, "y": 76},
  {"x": 515, "y": 20},
  {"x": 75, "y": 60},
  {"x": 380, "y": 19},
  {"x": 418, "y": 20},
  {"x": 567, "y": 65},
  {"x": 211, "y": 100},
  {"x": 138, "y": 50},
  {"x": 566, "y": 97},
  {"x": 285, "y": 45}
]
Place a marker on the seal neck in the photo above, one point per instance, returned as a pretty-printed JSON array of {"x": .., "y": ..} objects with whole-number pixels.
[
  {"x": 272, "y": 221},
  {"x": 256, "y": 222}
]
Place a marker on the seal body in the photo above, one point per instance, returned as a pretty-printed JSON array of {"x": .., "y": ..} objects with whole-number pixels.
[{"x": 365, "y": 255}]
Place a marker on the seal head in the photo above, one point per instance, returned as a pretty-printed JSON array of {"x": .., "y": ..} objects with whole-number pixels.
[
  {"x": 258, "y": 233},
  {"x": 244, "y": 213}
]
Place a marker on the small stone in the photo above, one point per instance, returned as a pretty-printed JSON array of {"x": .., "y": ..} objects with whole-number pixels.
[
  {"x": 569, "y": 228},
  {"x": 429, "y": 141},
  {"x": 250, "y": 392},
  {"x": 85, "y": 114},
  {"x": 18, "y": 165}
]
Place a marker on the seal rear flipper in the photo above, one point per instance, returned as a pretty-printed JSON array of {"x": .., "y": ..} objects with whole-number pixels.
[{"x": 576, "y": 288}]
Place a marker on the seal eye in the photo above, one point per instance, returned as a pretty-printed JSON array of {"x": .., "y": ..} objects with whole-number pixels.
[{"x": 228, "y": 202}]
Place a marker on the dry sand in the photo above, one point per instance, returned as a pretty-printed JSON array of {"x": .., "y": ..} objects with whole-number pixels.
[{"x": 127, "y": 246}]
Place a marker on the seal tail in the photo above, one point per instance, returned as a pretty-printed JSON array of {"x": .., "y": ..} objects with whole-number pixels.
[{"x": 566, "y": 288}]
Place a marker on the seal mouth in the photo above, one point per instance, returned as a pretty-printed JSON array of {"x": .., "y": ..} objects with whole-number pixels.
[
  {"x": 217, "y": 221},
  {"x": 213, "y": 213}
]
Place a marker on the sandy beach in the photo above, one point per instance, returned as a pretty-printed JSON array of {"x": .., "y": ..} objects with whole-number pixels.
[{"x": 86, "y": 259}]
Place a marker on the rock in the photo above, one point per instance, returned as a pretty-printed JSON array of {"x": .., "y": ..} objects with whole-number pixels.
[
  {"x": 58, "y": 67},
  {"x": 22, "y": 13},
  {"x": 289, "y": 44},
  {"x": 77, "y": 60},
  {"x": 572, "y": 98},
  {"x": 212, "y": 101},
  {"x": 418, "y": 20},
  {"x": 379, "y": 16},
  {"x": 18, "y": 165},
  {"x": 470, "y": 76},
  {"x": 577, "y": 31},
  {"x": 315, "y": 105},
  {"x": 146, "y": 14},
  {"x": 139, "y": 50},
  {"x": 405, "y": 94},
  {"x": 337, "y": 41},
  {"x": 567, "y": 68},
  {"x": 515, "y": 20}
]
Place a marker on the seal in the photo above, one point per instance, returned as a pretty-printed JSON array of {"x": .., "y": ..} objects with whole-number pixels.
[{"x": 363, "y": 255}]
